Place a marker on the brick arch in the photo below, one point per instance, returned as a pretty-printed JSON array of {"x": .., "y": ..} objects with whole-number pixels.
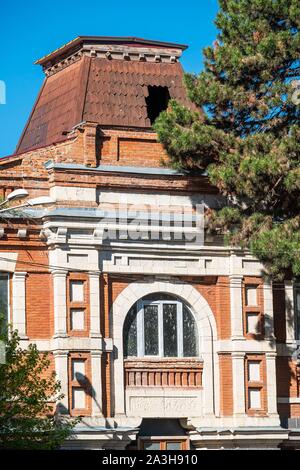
[{"x": 207, "y": 330}]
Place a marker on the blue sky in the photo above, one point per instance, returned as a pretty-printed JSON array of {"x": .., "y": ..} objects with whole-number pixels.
[{"x": 31, "y": 29}]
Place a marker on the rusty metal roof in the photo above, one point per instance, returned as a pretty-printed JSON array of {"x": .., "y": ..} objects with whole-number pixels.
[{"x": 99, "y": 90}]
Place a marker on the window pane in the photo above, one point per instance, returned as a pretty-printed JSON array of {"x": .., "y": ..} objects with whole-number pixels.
[
  {"x": 174, "y": 445},
  {"x": 251, "y": 295},
  {"x": 77, "y": 319},
  {"x": 76, "y": 291},
  {"x": 170, "y": 330},
  {"x": 130, "y": 334},
  {"x": 148, "y": 445},
  {"x": 78, "y": 369},
  {"x": 254, "y": 371},
  {"x": 190, "y": 336},
  {"x": 78, "y": 398},
  {"x": 252, "y": 323},
  {"x": 254, "y": 398},
  {"x": 4, "y": 298},
  {"x": 151, "y": 330}
]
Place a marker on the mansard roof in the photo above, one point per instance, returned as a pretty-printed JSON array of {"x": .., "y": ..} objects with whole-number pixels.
[{"x": 101, "y": 80}]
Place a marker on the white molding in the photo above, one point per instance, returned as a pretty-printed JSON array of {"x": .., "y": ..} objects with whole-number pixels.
[
  {"x": 289, "y": 311},
  {"x": 268, "y": 310},
  {"x": 61, "y": 369},
  {"x": 94, "y": 281},
  {"x": 60, "y": 302},
  {"x": 271, "y": 384},
  {"x": 96, "y": 366},
  {"x": 238, "y": 383},
  {"x": 236, "y": 307},
  {"x": 19, "y": 303},
  {"x": 9, "y": 261}
]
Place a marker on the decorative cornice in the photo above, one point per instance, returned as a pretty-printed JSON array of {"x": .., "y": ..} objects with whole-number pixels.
[{"x": 115, "y": 52}]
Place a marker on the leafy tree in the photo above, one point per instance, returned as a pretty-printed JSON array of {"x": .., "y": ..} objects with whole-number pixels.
[
  {"x": 27, "y": 388},
  {"x": 244, "y": 130}
]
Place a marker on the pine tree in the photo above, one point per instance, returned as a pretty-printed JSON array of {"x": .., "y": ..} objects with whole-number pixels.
[{"x": 246, "y": 134}]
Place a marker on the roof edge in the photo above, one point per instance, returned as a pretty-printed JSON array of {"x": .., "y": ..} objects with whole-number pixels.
[{"x": 79, "y": 40}]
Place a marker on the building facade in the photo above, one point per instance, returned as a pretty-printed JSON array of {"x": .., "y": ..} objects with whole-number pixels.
[{"x": 161, "y": 339}]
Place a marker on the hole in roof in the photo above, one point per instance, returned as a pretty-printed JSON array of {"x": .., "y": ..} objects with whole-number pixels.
[{"x": 156, "y": 101}]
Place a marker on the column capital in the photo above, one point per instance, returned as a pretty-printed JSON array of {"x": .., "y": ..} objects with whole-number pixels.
[
  {"x": 19, "y": 274},
  {"x": 238, "y": 354},
  {"x": 236, "y": 277},
  {"x": 59, "y": 272},
  {"x": 288, "y": 284},
  {"x": 60, "y": 353},
  {"x": 94, "y": 274},
  {"x": 96, "y": 353},
  {"x": 271, "y": 355}
]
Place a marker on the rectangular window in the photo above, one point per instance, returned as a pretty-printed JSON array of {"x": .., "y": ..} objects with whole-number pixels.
[
  {"x": 76, "y": 291},
  {"x": 163, "y": 444},
  {"x": 4, "y": 298},
  {"x": 78, "y": 305},
  {"x": 252, "y": 323},
  {"x": 77, "y": 318},
  {"x": 254, "y": 398},
  {"x": 254, "y": 371},
  {"x": 78, "y": 367},
  {"x": 251, "y": 296},
  {"x": 79, "y": 384},
  {"x": 151, "y": 330},
  {"x": 253, "y": 307},
  {"x": 170, "y": 330},
  {"x": 78, "y": 399}
]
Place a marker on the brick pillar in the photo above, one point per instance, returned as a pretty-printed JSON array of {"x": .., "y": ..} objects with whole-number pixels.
[
  {"x": 90, "y": 144},
  {"x": 60, "y": 302},
  {"x": 19, "y": 303}
]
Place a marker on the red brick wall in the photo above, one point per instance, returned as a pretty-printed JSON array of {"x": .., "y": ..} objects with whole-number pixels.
[
  {"x": 38, "y": 313},
  {"x": 226, "y": 392}
]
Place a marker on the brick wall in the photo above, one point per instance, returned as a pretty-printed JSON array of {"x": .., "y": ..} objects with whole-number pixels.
[{"x": 226, "y": 391}]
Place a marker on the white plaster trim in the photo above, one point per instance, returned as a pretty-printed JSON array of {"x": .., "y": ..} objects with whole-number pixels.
[
  {"x": 289, "y": 311},
  {"x": 96, "y": 383},
  {"x": 60, "y": 302},
  {"x": 19, "y": 303},
  {"x": 271, "y": 384},
  {"x": 74, "y": 193},
  {"x": 8, "y": 263}
]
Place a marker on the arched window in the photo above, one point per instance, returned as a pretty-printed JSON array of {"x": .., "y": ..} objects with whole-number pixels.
[{"x": 160, "y": 325}]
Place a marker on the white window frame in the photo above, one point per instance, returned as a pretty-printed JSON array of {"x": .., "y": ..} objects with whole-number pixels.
[{"x": 140, "y": 327}]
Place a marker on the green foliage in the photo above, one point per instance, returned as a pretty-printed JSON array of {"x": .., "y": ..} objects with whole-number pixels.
[
  {"x": 26, "y": 392},
  {"x": 246, "y": 135}
]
